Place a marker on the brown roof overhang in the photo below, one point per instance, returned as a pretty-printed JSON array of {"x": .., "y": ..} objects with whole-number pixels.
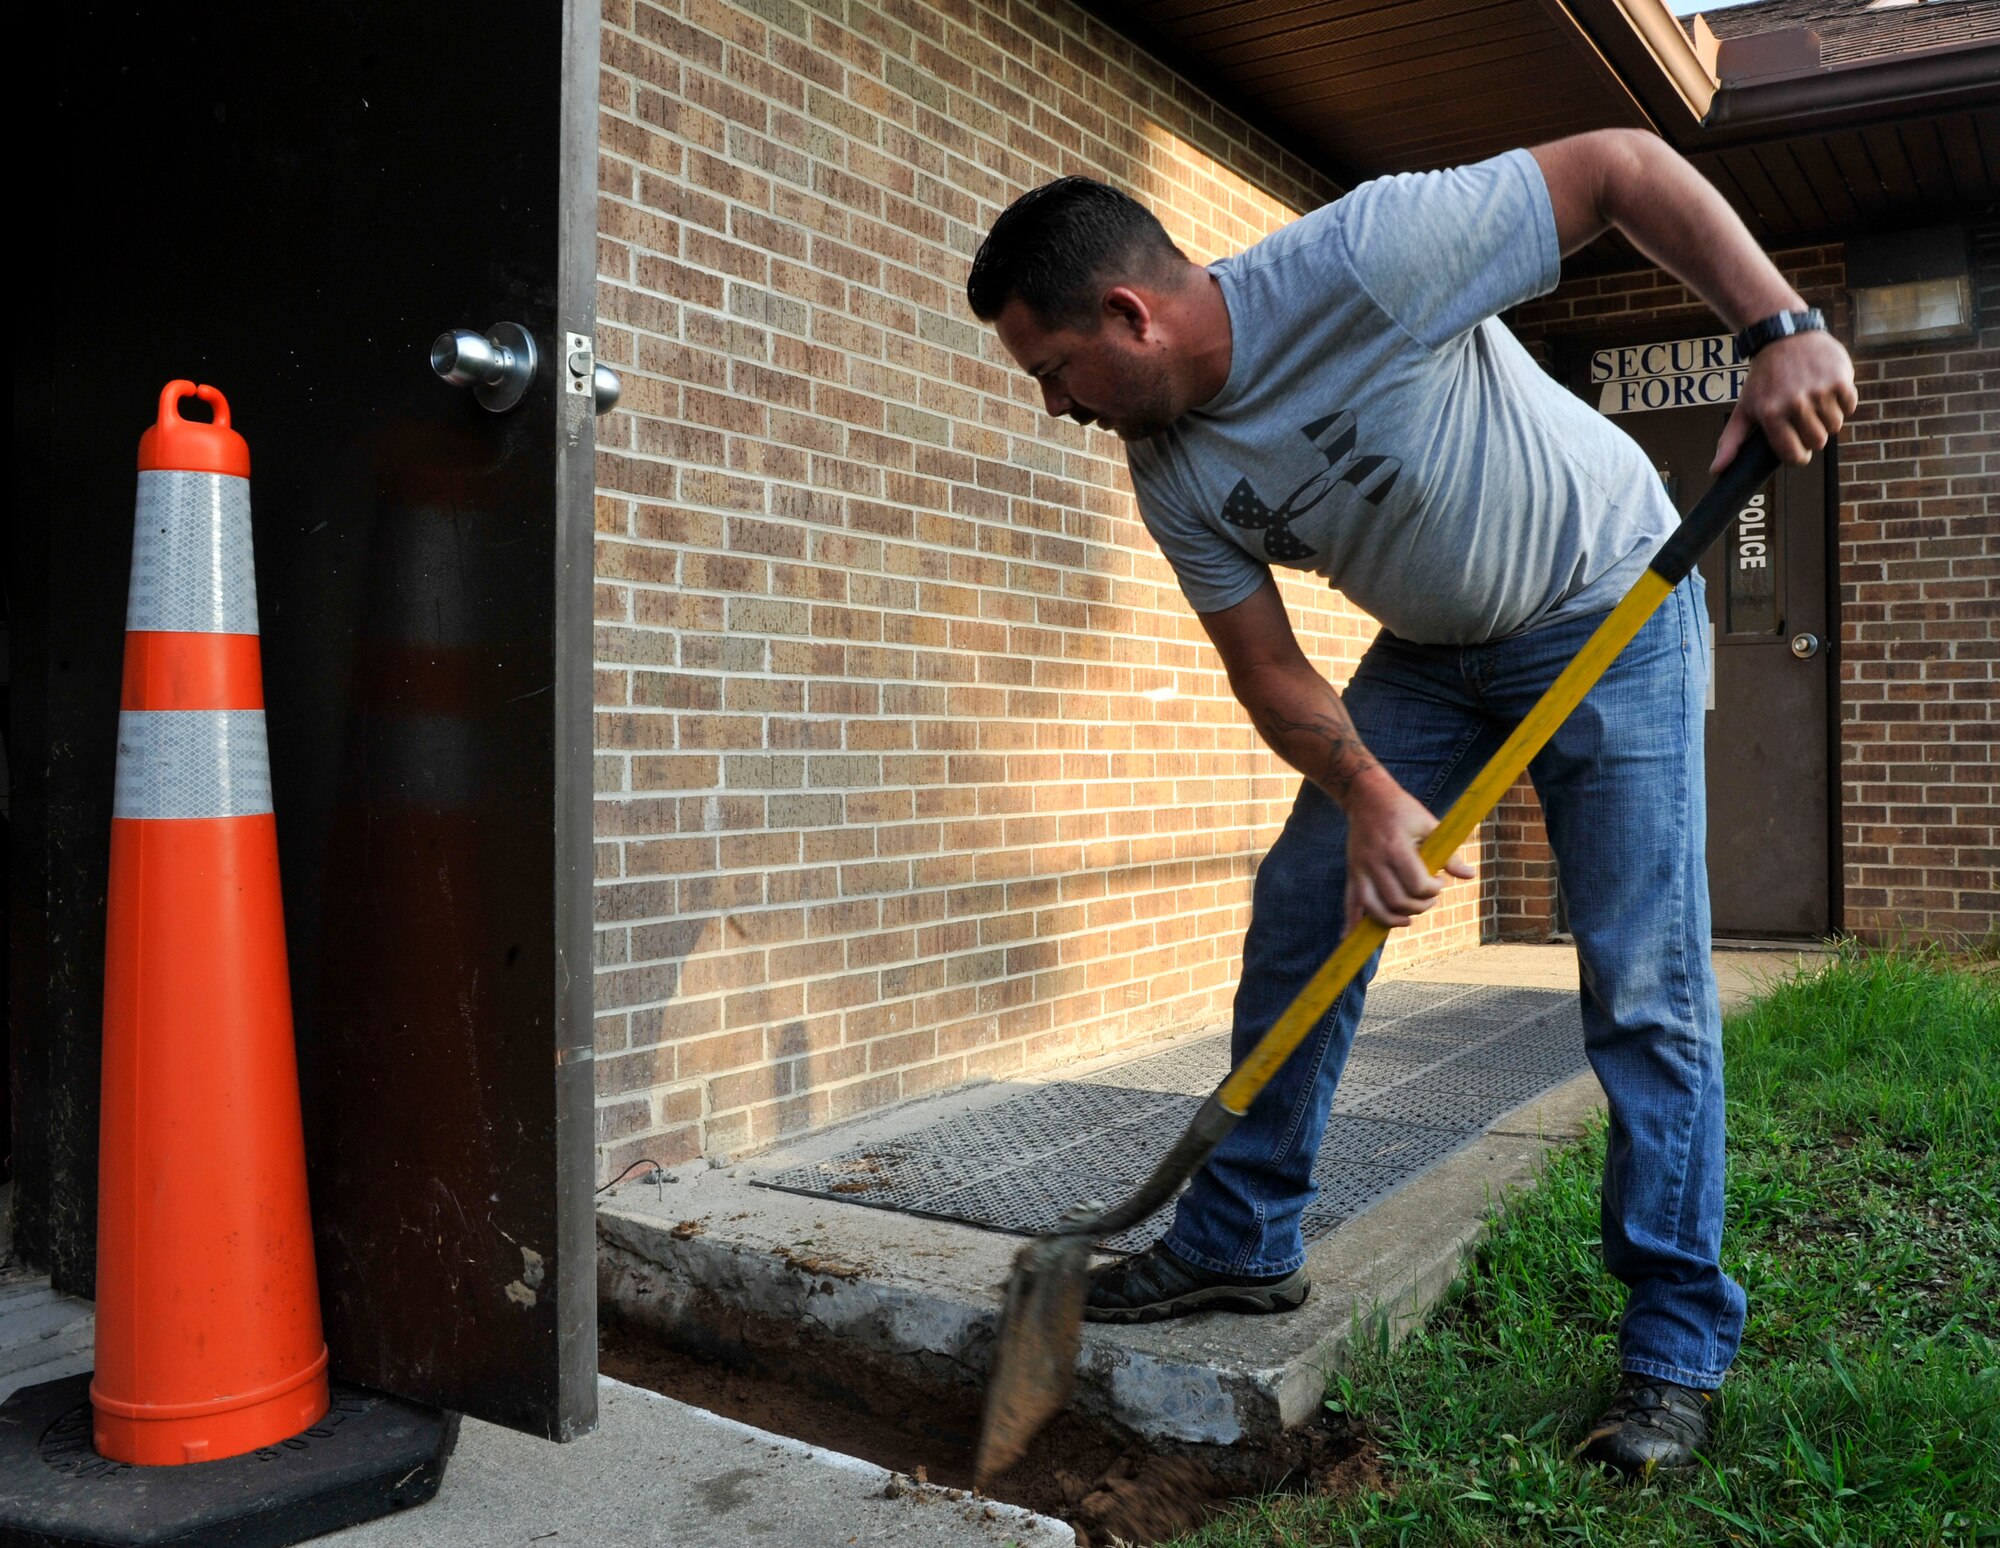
[
  {"x": 1654, "y": 58},
  {"x": 1965, "y": 75},
  {"x": 1802, "y": 151},
  {"x": 1665, "y": 72}
]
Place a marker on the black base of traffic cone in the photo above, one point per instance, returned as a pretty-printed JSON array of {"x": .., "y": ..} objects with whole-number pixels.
[{"x": 371, "y": 1455}]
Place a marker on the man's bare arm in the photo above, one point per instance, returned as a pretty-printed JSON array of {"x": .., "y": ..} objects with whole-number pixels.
[
  {"x": 1294, "y": 708},
  {"x": 1800, "y": 390},
  {"x": 1299, "y": 714}
]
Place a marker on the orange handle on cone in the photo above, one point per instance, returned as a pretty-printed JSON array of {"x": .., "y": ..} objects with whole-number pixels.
[{"x": 208, "y": 1329}]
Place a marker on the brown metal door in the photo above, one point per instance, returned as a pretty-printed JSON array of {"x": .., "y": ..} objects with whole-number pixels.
[
  {"x": 1769, "y": 775},
  {"x": 291, "y": 202}
]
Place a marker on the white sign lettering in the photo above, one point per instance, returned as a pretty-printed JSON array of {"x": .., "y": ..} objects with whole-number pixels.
[
  {"x": 1752, "y": 540},
  {"x": 1680, "y": 373}
]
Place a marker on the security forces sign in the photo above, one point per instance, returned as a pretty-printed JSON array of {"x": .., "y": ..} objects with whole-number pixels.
[{"x": 1682, "y": 373}]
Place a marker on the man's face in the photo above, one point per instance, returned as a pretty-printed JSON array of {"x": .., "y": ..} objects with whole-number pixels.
[{"x": 1114, "y": 375}]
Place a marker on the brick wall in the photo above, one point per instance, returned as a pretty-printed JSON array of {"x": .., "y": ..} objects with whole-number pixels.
[
  {"x": 1520, "y": 870},
  {"x": 1920, "y": 635},
  {"x": 1919, "y": 571},
  {"x": 912, "y": 765}
]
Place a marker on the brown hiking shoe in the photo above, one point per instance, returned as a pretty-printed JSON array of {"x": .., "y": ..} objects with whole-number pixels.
[
  {"x": 1155, "y": 1284},
  {"x": 1650, "y": 1426}
]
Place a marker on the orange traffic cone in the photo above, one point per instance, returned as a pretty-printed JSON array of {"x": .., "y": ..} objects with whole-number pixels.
[{"x": 208, "y": 1328}]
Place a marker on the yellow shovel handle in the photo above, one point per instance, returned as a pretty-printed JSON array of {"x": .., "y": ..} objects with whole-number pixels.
[{"x": 1454, "y": 828}]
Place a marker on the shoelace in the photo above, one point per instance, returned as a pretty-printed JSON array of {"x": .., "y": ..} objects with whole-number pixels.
[{"x": 1652, "y": 1404}]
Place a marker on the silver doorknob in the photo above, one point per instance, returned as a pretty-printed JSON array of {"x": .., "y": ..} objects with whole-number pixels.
[
  {"x": 498, "y": 365},
  {"x": 1805, "y": 646}
]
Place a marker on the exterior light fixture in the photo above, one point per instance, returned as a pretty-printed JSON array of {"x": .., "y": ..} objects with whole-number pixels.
[
  {"x": 1910, "y": 287},
  {"x": 1921, "y": 309}
]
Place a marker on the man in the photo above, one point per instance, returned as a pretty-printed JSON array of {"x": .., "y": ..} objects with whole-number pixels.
[{"x": 1342, "y": 398}]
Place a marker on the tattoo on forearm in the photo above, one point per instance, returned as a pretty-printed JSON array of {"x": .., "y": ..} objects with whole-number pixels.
[{"x": 1346, "y": 759}]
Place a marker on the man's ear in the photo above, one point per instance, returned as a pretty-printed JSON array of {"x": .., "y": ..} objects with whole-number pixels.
[{"x": 1127, "y": 309}]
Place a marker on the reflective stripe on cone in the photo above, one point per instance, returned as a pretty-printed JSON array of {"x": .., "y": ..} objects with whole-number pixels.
[
  {"x": 192, "y": 567},
  {"x": 192, "y": 763}
]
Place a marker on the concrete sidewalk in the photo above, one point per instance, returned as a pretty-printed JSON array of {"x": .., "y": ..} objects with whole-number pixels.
[
  {"x": 43, "y": 1336},
  {"x": 710, "y": 1261},
  {"x": 658, "y": 1473},
  {"x": 1742, "y": 972},
  {"x": 654, "y": 1474}
]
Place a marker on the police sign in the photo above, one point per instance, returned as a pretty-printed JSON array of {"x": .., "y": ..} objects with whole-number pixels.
[{"x": 1684, "y": 373}]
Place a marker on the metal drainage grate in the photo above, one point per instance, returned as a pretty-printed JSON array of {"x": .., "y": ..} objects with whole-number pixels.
[{"x": 1432, "y": 1067}]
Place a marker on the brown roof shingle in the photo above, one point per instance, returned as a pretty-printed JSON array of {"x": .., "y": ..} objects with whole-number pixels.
[{"x": 1851, "y": 30}]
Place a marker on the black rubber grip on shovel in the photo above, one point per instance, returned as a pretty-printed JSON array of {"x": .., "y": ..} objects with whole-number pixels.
[{"x": 1726, "y": 497}]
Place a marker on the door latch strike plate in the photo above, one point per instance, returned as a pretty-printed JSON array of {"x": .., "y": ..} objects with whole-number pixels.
[{"x": 582, "y": 359}]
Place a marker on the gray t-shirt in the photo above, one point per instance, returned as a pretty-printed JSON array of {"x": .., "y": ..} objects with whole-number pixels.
[{"x": 1381, "y": 427}]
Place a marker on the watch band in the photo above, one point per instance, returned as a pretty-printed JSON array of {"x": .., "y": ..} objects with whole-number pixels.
[{"x": 1780, "y": 326}]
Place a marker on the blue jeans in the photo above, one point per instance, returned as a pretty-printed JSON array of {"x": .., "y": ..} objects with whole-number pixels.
[{"x": 1621, "y": 786}]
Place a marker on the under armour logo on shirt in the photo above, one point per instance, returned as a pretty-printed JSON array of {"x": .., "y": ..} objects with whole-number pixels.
[{"x": 1334, "y": 437}]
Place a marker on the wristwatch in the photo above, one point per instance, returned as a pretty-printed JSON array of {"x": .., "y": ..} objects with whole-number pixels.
[{"x": 1781, "y": 326}]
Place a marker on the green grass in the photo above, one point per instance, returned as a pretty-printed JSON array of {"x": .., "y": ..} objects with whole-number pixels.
[{"x": 1864, "y": 1221}]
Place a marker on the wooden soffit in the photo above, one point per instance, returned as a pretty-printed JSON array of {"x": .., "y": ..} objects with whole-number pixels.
[{"x": 1365, "y": 87}]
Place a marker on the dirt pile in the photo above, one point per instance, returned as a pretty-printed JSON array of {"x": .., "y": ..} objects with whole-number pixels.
[{"x": 1142, "y": 1499}]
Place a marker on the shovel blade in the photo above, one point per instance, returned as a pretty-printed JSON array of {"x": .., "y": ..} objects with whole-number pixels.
[{"x": 1034, "y": 1358}]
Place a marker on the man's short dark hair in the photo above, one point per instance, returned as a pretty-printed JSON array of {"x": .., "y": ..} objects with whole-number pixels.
[{"x": 1057, "y": 246}]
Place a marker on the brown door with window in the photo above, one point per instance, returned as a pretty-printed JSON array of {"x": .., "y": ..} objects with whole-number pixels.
[{"x": 1769, "y": 772}]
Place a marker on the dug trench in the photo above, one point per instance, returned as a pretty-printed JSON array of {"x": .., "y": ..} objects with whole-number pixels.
[{"x": 1111, "y": 1487}]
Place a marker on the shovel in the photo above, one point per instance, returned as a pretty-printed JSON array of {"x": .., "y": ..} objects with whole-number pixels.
[{"x": 1041, "y": 1325}]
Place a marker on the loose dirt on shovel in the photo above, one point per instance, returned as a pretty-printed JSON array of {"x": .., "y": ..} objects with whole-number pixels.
[{"x": 1111, "y": 1489}]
